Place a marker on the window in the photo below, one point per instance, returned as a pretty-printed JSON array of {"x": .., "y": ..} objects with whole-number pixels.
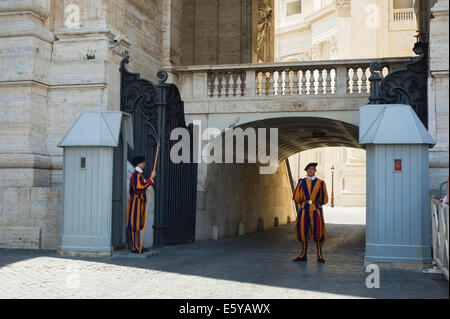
[
  {"x": 83, "y": 163},
  {"x": 294, "y": 7},
  {"x": 403, "y": 4}
]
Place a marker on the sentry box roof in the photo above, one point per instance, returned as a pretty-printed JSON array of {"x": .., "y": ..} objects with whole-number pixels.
[
  {"x": 391, "y": 124},
  {"x": 99, "y": 129}
]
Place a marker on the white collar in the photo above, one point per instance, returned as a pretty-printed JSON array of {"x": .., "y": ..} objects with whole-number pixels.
[
  {"x": 139, "y": 169},
  {"x": 311, "y": 178}
]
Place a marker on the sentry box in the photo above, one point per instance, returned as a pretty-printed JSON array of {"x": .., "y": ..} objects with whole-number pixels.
[
  {"x": 398, "y": 225},
  {"x": 94, "y": 183}
]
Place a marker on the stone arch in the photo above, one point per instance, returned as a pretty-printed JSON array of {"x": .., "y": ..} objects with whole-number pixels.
[{"x": 256, "y": 199}]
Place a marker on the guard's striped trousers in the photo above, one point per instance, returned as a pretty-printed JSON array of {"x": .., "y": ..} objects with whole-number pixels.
[
  {"x": 135, "y": 240},
  {"x": 319, "y": 245}
]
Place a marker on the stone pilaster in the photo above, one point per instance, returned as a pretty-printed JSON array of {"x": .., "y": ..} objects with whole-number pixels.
[
  {"x": 171, "y": 37},
  {"x": 438, "y": 99},
  {"x": 28, "y": 205}
]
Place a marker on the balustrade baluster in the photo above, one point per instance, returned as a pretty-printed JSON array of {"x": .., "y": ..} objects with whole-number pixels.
[
  {"x": 303, "y": 82},
  {"x": 286, "y": 82},
  {"x": 222, "y": 84},
  {"x": 271, "y": 91},
  {"x": 239, "y": 86},
  {"x": 211, "y": 78},
  {"x": 279, "y": 84},
  {"x": 233, "y": 83},
  {"x": 355, "y": 88},
  {"x": 328, "y": 88},
  {"x": 216, "y": 92},
  {"x": 320, "y": 85},
  {"x": 295, "y": 83},
  {"x": 265, "y": 84},
  {"x": 258, "y": 83},
  {"x": 311, "y": 83},
  {"x": 364, "y": 81},
  {"x": 226, "y": 83},
  {"x": 349, "y": 91}
]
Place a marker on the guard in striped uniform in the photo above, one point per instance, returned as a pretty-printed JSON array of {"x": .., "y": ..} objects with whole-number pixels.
[
  {"x": 311, "y": 194},
  {"x": 137, "y": 201}
]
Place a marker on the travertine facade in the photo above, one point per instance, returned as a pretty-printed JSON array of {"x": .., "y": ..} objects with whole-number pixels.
[
  {"x": 438, "y": 102},
  {"x": 216, "y": 32},
  {"x": 329, "y": 30},
  {"x": 227, "y": 31},
  {"x": 56, "y": 63}
]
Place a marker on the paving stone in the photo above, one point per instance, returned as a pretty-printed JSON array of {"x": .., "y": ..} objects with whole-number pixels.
[{"x": 254, "y": 266}]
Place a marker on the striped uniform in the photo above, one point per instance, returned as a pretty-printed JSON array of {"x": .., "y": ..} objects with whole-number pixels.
[
  {"x": 311, "y": 195},
  {"x": 136, "y": 207}
]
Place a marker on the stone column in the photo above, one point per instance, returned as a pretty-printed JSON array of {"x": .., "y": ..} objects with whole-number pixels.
[
  {"x": 438, "y": 86},
  {"x": 28, "y": 205},
  {"x": 344, "y": 26},
  {"x": 171, "y": 37},
  {"x": 57, "y": 62}
]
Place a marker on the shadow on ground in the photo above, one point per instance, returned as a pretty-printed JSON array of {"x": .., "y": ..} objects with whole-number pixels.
[{"x": 266, "y": 259}]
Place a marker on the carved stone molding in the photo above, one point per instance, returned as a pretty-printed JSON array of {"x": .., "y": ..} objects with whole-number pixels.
[
  {"x": 24, "y": 6},
  {"x": 344, "y": 8}
]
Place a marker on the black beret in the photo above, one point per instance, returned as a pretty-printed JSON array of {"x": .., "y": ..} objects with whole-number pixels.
[
  {"x": 309, "y": 165},
  {"x": 138, "y": 159}
]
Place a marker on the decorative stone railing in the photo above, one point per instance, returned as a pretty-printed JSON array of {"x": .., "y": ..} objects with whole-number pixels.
[
  {"x": 282, "y": 80},
  {"x": 402, "y": 19},
  {"x": 439, "y": 230},
  {"x": 402, "y": 15}
]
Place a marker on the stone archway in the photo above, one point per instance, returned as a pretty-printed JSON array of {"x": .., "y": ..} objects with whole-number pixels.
[
  {"x": 392, "y": 130},
  {"x": 234, "y": 194}
]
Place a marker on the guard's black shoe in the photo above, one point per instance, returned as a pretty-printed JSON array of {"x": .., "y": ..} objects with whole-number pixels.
[
  {"x": 321, "y": 260},
  {"x": 135, "y": 251},
  {"x": 144, "y": 249},
  {"x": 304, "y": 258}
]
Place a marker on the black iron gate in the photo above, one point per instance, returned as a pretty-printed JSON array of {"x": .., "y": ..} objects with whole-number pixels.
[{"x": 156, "y": 110}]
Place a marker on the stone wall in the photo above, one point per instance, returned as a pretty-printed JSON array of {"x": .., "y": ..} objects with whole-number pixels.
[
  {"x": 216, "y": 32},
  {"x": 242, "y": 196},
  {"x": 438, "y": 87},
  {"x": 56, "y": 64}
]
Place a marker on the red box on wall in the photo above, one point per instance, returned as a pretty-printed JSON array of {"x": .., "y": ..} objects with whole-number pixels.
[{"x": 398, "y": 165}]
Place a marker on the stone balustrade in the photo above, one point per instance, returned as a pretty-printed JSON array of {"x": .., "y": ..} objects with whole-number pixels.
[
  {"x": 311, "y": 79},
  {"x": 402, "y": 15},
  {"x": 402, "y": 19}
]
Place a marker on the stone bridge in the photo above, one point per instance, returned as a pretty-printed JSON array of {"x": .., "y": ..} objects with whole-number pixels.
[{"x": 313, "y": 104}]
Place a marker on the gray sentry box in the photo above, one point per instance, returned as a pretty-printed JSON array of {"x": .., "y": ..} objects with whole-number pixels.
[
  {"x": 94, "y": 177},
  {"x": 398, "y": 226}
]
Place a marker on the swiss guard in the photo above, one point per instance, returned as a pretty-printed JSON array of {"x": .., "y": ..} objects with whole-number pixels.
[
  {"x": 311, "y": 194},
  {"x": 137, "y": 201}
]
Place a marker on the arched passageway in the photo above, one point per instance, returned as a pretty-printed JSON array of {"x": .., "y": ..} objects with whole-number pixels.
[
  {"x": 297, "y": 134},
  {"x": 236, "y": 195}
]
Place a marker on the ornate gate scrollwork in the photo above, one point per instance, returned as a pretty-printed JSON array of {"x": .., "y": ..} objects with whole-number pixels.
[{"x": 405, "y": 86}]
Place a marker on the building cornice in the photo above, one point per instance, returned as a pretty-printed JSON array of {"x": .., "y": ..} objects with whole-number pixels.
[
  {"x": 309, "y": 20},
  {"x": 24, "y": 6},
  {"x": 26, "y": 29}
]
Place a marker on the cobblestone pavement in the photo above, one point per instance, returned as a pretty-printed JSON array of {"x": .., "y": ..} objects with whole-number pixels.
[{"x": 254, "y": 266}]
